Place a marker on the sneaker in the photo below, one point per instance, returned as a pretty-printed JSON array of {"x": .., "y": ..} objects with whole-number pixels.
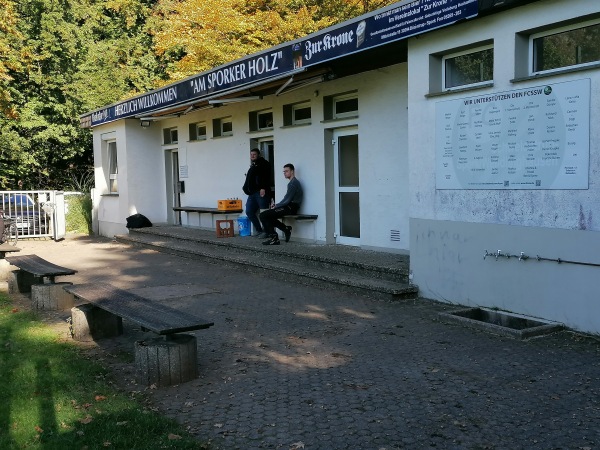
[
  {"x": 273, "y": 240},
  {"x": 287, "y": 233},
  {"x": 262, "y": 235}
]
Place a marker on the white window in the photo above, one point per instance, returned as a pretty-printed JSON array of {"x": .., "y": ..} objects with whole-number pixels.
[
  {"x": 575, "y": 45},
  {"x": 265, "y": 120},
  {"x": 226, "y": 126},
  {"x": 170, "y": 136},
  {"x": 345, "y": 106},
  {"x": 198, "y": 131},
  {"x": 301, "y": 113},
  {"x": 470, "y": 68},
  {"x": 113, "y": 167},
  {"x": 222, "y": 127},
  {"x": 261, "y": 120}
]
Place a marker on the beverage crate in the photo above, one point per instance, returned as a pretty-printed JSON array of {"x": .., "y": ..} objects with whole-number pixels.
[{"x": 228, "y": 205}]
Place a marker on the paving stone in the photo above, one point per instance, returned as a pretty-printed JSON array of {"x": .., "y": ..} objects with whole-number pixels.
[{"x": 336, "y": 370}]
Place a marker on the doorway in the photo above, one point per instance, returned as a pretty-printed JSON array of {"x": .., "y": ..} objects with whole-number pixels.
[
  {"x": 346, "y": 186},
  {"x": 267, "y": 151},
  {"x": 174, "y": 185}
]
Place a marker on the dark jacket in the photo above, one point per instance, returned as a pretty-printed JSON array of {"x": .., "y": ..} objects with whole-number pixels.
[{"x": 258, "y": 177}]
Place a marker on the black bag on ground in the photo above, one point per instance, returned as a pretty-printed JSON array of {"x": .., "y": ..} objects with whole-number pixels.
[{"x": 138, "y": 221}]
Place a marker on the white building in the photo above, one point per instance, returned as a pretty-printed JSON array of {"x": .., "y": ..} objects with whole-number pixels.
[{"x": 449, "y": 130}]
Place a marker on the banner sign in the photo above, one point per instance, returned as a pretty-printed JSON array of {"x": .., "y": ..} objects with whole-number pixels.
[
  {"x": 397, "y": 23},
  {"x": 393, "y": 23},
  {"x": 533, "y": 138}
]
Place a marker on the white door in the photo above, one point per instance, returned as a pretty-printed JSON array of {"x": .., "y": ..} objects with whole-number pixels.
[
  {"x": 347, "y": 186},
  {"x": 174, "y": 190}
]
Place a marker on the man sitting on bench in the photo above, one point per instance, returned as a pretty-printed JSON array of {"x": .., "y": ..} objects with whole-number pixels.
[{"x": 288, "y": 206}]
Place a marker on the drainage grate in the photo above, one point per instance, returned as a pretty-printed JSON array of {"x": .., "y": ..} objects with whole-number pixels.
[{"x": 504, "y": 323}]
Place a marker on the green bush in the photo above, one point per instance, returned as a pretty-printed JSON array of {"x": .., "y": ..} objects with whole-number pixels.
[{"x": 79, "y": 214}]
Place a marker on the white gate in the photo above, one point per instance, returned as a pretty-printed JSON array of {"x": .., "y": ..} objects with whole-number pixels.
[{"x": 36, "y": 213}]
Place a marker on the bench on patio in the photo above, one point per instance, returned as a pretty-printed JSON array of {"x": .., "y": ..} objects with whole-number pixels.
[
  {"x": 205, "y": 210},
  {"x": 164, "y": 361},
  {"x": 31, "y": 276},
  {"x": 302, "y": 217}
]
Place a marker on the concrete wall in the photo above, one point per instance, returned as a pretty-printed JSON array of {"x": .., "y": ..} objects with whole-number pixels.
[{"x": 451, "y": 229}]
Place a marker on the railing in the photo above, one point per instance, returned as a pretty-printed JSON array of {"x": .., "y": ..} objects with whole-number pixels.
[{"x": 32, "y": 211}]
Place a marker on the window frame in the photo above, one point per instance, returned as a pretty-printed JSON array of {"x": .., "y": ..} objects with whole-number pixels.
[
  {"x": 222, "y": 122},
  {"x": 554, "y": 31},
  {"x": 342, "y": 98},
  {"x": 194, "y": 134},
  {"x": 168, "y": 134},
  {"x": 456, "y": 54},
  {"x": 264, "y": 113},
  {"x": 300, "y": 106},
  {"x": 217, "y": 125}
]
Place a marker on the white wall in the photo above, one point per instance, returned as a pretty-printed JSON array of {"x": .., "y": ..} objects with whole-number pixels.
[
  {"x": 217, "y": 166},
  {"x": 544, "y": 208},
  {"x": 532, "y": 221}
]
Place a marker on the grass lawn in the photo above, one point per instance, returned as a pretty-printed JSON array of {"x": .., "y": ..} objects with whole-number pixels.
[{"x": 52, "y": 397}]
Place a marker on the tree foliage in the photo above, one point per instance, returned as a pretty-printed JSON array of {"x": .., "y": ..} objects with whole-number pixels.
[
  {"x": 62, "y": 58},
  {"x": 196, "y": 35}
]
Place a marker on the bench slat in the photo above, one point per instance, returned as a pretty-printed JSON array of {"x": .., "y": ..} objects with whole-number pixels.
[
  {"x": 38, "y": 266},
  {"x": 200, "y": 209},
  {"x": 156, "y": 317},
  {"x": 302, "y": 216}
]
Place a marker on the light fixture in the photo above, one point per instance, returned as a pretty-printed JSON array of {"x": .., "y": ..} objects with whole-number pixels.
[
  {"x": 145, "y": 123},
  {"x": 234, "y": 100}
]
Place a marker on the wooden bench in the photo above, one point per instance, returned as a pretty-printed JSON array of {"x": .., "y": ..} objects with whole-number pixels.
[
  {"x": 5, "y": 248},
  {"x": 205, "y": 210},
  {"x": 302, "y": 217},
  {"x": 31, "y": 276},
  {"x": 5, "y": 265},
  {"x": 166, "y": 360}
]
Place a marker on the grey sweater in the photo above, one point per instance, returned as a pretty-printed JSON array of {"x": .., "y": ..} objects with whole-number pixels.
[{"x": 294, "y": 193}]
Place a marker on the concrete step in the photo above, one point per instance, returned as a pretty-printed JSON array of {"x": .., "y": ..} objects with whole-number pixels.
[{"x": 352, "y": 269}]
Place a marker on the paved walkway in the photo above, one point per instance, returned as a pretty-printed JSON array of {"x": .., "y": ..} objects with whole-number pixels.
[{"x": 290, "y": 366}]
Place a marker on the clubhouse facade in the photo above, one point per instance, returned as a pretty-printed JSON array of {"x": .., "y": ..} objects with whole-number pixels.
[{"x": 462, "y": 132}]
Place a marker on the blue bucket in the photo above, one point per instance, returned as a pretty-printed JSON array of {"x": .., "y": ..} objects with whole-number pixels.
[{"x": 244, "y": 226}]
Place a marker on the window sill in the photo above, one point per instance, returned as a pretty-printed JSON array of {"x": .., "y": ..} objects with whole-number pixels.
[
  {"x": 341, "y": 119},
  {"x": 222, "y": 137},
  {"x": 113, "y": 194},
  {"x": 459, "y": 90},
  {"x": 263, "y": 130},
  {"x": 296, "y": 125},
  {"x": 556, "y": 72},
  {"x": 197, "y": 140}
]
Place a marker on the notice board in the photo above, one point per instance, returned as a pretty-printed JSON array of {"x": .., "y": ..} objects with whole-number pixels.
[{"x": 533, "y": 138}]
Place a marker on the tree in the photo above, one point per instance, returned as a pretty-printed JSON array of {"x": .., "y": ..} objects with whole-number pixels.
[
  {"x": 197, "y": 35},
  {"x": 81, "y": 54}
]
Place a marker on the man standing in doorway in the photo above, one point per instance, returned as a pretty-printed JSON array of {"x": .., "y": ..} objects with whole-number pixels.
[
  {"x": 258, "y": 189},
  {"x": 288, "y": 206}
]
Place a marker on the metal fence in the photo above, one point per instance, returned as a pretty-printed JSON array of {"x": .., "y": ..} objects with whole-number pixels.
[{"x": 36, "y": 213}]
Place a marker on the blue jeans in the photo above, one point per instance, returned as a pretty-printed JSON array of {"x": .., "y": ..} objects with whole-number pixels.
[{"x": 254, "y": 203}]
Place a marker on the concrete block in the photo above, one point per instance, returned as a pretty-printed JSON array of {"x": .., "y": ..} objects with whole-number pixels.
[
  {"x": 165, "y": 362},
  {"x": 21, "y": 282},
  {"x": 90, "y": 323},
  {"x": 51, "y": 297}
]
